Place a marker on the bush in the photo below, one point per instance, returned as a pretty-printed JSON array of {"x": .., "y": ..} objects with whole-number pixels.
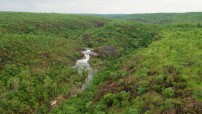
[
  {"x": 197, "y": 94},
  {"x": 109, "y": 99},
  {"x": 157, "y": 88},
  {"x": 132, "y": 111},
  {"x": 11, "y": 69},
  {"x": 159, "y": 79},
  {"x": 143, "y": 87},
  {"x": 100, "y": 107},
  {"x": 169, "y": 92},
  {"x": 170, "y": 104},
  {"x": 142, "y": 72}
]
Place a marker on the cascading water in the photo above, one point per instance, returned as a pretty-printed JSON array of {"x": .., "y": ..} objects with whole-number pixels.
[{"x": 83, "y": 65}]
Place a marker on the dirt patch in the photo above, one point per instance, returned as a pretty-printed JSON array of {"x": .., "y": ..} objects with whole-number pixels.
[
  {"x": 191, "y": 106},
  {"x": 170, "y": 111},
  {"x": 114, "y": 86},
  {"x": 2, "y": 58},
  {"x": 109, "y": 86},
  {"x": 105, "y": 51}
]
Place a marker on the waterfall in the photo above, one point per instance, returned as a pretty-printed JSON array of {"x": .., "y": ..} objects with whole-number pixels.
[{"x": 83, "y": 65}]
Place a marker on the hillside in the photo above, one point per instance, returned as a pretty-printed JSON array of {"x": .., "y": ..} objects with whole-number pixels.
[
  {"x": 38, "y": 52},
  {"x": 141, "y": 67},
  {"x": 161, "y": 18},
  {"x": 164, "y": 77}
]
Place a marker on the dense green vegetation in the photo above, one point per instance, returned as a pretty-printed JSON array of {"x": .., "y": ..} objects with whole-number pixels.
[
  {"x": 153, "y": 68},
  {"x": 161, "y": 18}
]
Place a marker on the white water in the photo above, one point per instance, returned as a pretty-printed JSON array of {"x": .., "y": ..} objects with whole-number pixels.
[{"x": 83, "y": 65}]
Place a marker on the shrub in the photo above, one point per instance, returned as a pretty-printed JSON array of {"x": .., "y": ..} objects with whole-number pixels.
[
  {"x": 170, "y": 103},
  {"x": 114, "y": 75},
  {"x": 132, "y": 111},
  {"x": 157, "y": 88},
  {"x": 100, "y": 107},
  {"x": 169, "y": 92},
  {"x": 197, "y": 94},
  {"x": 143, "y": 87},
  {"x": 11, "y": 69},
  {"x": 125, "y": 96},
  {"x": 109, "y": 99},
  {"x": 142, "y": 72},
  {"x": 123, "y": 73},
  {"x": 159, "y": 79}
]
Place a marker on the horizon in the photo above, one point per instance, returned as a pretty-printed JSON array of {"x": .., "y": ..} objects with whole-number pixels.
[
  {"x": 101, "y": 7},
  {"x": 102, "y": 13}
]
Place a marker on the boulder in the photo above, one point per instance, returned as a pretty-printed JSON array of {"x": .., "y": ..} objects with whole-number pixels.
[{"x": 106, "y": 51}]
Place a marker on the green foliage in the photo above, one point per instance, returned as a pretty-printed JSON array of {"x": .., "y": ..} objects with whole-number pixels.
[
  {"x": 197, "y": 93},
  {"x": 164, "y": 18},
  {"x": 143, "y": 87},
  {"x": 170, "y": 104},
  {"x": 142, "y": 72},
  {"x": 169, "y": 92},
  {"x": 132, "y": 111},
  {"x": 157, "y": 88},
  {"x": 120, "y": 99},
  {"x": 145, "y": 68},
  {"x": 159, "y": 79}
]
